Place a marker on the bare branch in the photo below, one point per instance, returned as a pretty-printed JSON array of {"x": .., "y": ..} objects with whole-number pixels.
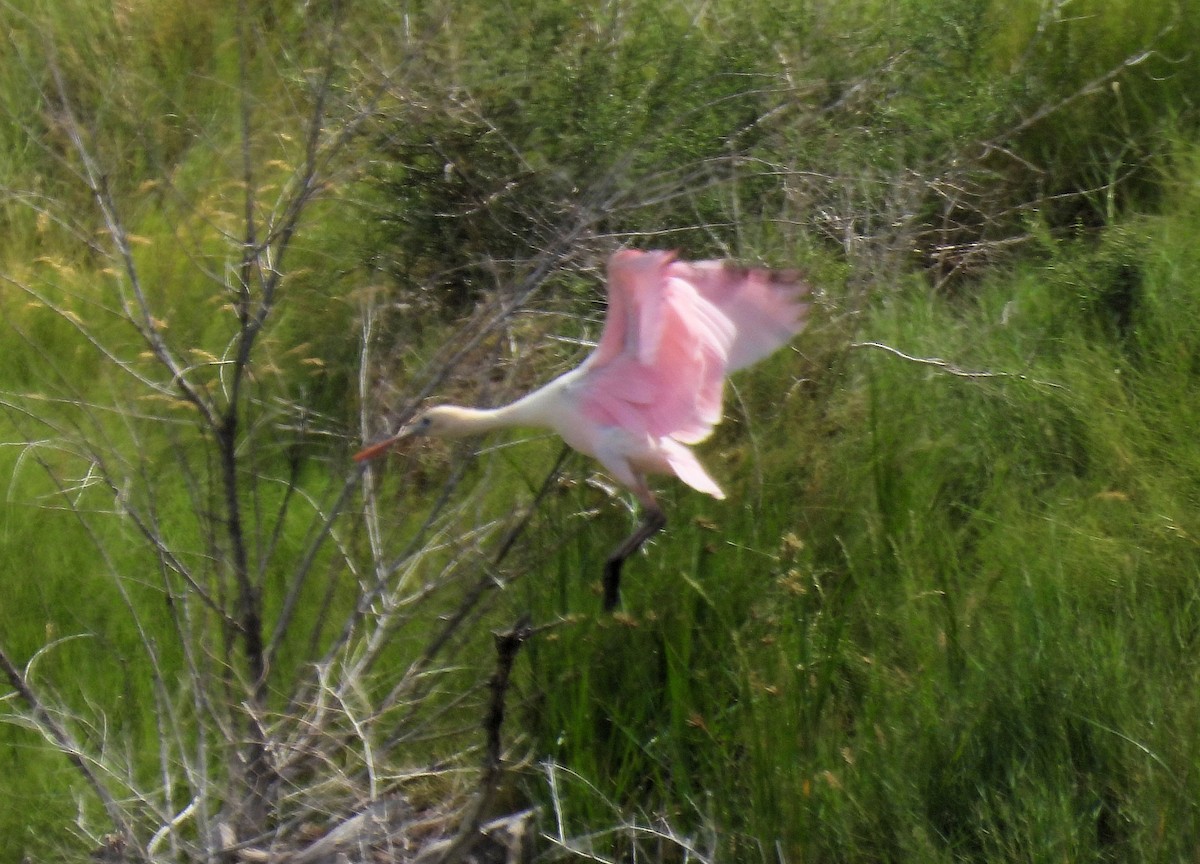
[
  {"x": 951, "y": 369},
  {"x": 508, "y": 643},
  {"x": 67, "y": 745},
  {"x": 139, "y": 312}
]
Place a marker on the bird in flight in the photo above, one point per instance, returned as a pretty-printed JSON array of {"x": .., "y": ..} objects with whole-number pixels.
[{"x": 654, "y": 384}]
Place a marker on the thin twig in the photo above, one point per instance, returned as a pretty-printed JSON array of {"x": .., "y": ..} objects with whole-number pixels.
[
  {"x": 950, "y": 369},
  {"x": 139, "y": 312},
  {"x": 475, "y": 593},
  {"x": 66, "y": 744}
]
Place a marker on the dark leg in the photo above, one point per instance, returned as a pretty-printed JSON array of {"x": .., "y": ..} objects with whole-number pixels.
[{"x": 652, "y": 523}]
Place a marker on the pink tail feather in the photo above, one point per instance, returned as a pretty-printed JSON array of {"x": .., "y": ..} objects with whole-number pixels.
[{"x": 688, "y": 468}]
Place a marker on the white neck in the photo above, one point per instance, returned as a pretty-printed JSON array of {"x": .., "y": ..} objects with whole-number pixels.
[
  {"x": 529, "y": 410},
  {"x": 457, "y": 421}
]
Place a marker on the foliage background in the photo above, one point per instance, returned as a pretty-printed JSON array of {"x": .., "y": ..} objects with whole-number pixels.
[{"x": 949, "y": 611}]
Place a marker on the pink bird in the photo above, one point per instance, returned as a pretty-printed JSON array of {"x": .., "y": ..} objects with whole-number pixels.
[{"x": 673, "y": 332}]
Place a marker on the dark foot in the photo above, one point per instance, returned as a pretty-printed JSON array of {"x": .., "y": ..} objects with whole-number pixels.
[
  {"x": 652, "y": 522},
  {"x": 612, "y": 583}
]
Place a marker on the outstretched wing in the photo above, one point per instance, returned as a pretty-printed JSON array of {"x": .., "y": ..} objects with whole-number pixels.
[
  {"x": 763, "y": 305},
  {"x": 673, "y": 332}
]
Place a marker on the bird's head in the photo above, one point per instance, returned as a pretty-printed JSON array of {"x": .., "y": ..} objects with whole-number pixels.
[{"x": 442, "y": 421}]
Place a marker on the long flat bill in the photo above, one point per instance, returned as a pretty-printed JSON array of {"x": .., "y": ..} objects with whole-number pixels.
[{"x": 374, "y": 450}]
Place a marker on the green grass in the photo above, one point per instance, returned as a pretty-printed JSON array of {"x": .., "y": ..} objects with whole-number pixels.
[
  {"x": 939, "y": 617},
  {"x": 960, "y": 624}
]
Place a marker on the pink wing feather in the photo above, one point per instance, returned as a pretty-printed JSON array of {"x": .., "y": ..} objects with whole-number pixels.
[
  {"x": 763, "y": 305},
  {"x": 674, "y": 330}
]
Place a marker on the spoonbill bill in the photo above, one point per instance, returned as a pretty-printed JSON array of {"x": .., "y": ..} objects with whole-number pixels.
[{"x": 673, "y": 332}]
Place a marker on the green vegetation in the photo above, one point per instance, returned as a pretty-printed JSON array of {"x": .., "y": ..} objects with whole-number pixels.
[{"x": 950, "y": 609}]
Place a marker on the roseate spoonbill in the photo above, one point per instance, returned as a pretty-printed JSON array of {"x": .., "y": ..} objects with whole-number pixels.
[{"x": 673, "y": 331}]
